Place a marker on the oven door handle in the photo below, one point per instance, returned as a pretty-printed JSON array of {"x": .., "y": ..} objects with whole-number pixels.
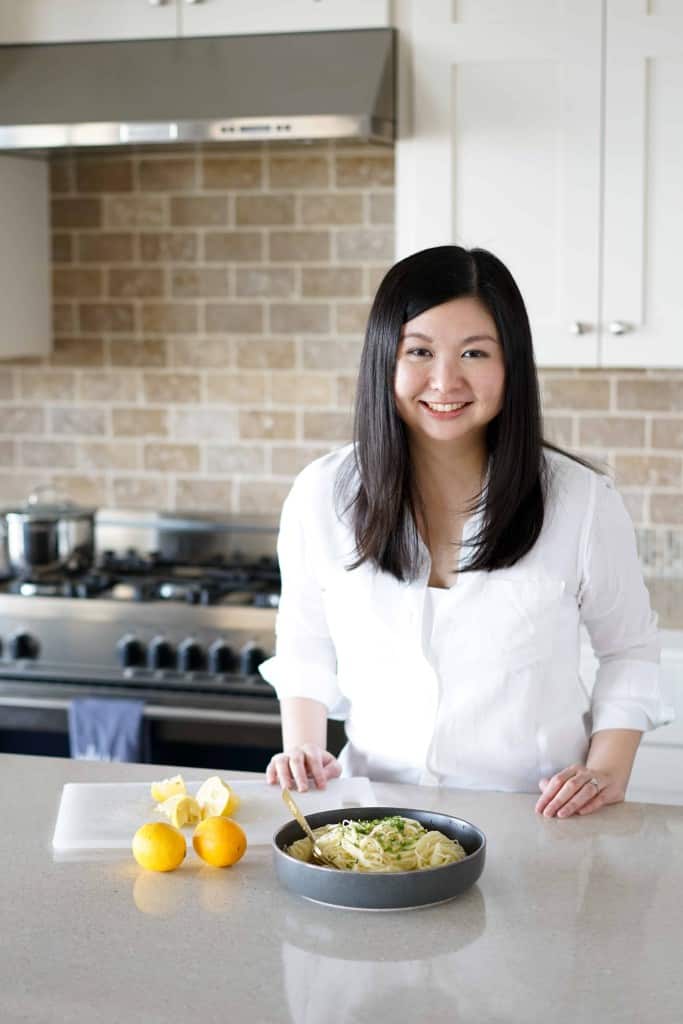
[{"x": 155, "y": 711}]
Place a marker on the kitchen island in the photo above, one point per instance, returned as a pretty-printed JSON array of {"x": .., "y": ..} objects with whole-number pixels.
[{"x": 576, "y": 920}]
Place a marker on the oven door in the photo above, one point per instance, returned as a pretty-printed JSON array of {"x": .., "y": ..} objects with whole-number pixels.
[{"x": 200, "y": 730}]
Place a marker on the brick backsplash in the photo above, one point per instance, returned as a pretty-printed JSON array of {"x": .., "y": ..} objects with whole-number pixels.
[
  {"x": 209, "y": 305},
  {"x": 630, "y": 423}
]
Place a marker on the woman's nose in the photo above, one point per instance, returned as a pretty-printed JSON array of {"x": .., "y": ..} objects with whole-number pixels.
[{"x": 446, "y": 374}]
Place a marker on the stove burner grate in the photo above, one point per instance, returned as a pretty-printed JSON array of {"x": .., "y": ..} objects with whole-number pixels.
[
  {"x": 143, "y": 578},
  {"x": 89, "y": 585}
]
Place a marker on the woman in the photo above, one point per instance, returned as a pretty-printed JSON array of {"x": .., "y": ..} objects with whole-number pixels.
[{"x": 435, "y": 573}]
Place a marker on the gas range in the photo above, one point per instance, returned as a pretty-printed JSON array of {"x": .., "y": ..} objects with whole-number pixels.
[
  {"x": 177, "y": 612},
  {"x": 119, "y": 637},
  {"x": 143, "y": 619},
  {"x": 169, "y": 601}
]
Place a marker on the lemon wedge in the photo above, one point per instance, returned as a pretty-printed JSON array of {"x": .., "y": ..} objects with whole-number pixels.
[
  {"x": 181, "y": 810},
  {"x": 168, "y": 787},
  {"x": 217, "y": 799}
]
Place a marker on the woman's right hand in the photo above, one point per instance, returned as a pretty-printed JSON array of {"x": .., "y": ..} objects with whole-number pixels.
[{"x": 295, "y": 767}]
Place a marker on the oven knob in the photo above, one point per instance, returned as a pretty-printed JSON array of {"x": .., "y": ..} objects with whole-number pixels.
[
  {"x": 23, "y": 645},
  {"x": 131, "y": 651},
  {"x": 160, "y": 653},
  {"x": 190, "y": 656},
  {"x": 221, "y": 657},
  {"x": 251, "y": 657}
]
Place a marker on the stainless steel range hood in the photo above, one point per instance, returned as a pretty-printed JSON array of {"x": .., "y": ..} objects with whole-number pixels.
[{"x": 306, "y": 85}]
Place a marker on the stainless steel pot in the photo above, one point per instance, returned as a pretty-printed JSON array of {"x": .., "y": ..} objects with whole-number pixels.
[{"x": 49, "y": 534}]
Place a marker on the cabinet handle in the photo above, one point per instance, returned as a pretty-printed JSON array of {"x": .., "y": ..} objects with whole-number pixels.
[
  {"x": 156, "y": 3},
  {"x": 619, "y": 327},
  {"x": 576, "y": 327}
]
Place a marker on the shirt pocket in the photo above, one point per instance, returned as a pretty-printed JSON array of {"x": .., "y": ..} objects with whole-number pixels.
[{"x": 514, "y": 619}]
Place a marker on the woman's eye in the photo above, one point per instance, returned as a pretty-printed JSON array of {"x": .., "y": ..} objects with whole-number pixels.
[
  {"x": 475, "y": 353},
  {"x": 419, "y": 352}
]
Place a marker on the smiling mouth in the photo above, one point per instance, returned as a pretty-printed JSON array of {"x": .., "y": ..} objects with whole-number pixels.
[{"x": 445, "y": 406}]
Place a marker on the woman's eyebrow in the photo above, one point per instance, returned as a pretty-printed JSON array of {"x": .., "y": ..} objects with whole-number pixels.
[
  {"x": 479, "y": 337},
  {"x": 465, "y": 341},
  {"x": 415, "y": 334}
]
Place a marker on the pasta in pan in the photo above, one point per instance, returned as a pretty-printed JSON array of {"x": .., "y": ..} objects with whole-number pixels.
[{"x": 382, "y": 844}]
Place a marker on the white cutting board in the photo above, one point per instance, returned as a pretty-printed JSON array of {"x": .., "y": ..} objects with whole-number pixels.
[{"x": 106, "y": 815}]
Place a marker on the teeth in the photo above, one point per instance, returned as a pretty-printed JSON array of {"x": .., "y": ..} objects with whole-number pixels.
[{"x": 445, "y": 406}]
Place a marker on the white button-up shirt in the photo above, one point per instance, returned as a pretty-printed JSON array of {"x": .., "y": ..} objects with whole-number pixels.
[{"x": 483, "y": 690}]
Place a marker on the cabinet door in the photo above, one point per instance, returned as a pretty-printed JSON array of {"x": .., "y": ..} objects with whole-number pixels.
[
  {"x": 503, "y": 151},
  {"x": 59, "y": 21},
  {"x": 234, "y": 17},
  {"x": 643, "y": 218},
  {"x": 657, "y": 776},
  {"x": 25, "y": 320}
]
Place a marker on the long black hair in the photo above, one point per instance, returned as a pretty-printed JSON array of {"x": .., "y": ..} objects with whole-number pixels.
[{"x": 376, "y": 485}]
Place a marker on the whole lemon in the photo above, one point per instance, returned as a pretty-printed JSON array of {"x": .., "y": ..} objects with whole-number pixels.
[
  {"x": 158, "y": 846},
  {"x": 219, "y": 841}
]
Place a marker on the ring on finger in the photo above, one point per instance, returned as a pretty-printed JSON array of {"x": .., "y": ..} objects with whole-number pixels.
[{"x": 594, "y": 782}]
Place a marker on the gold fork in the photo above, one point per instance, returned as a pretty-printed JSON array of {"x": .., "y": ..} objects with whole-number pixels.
[{"x": 296, "y": 811}]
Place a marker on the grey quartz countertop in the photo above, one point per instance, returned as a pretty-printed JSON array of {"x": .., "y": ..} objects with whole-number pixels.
[{"x": 572, "y": 921}]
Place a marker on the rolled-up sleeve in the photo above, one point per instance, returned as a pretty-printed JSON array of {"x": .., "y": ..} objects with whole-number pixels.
[
  {"x": 615, "y": 608},
  {"x": 305, "y": 663}
]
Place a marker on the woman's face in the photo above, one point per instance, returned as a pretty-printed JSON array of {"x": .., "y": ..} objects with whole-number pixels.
[{"x": 450, "y": 373}]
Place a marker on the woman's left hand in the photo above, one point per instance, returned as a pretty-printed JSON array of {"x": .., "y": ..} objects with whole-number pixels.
[{"x": 578, "y": 790}]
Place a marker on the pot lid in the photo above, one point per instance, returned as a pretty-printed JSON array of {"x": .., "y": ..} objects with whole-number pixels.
[{"x": 47, "y": 503}]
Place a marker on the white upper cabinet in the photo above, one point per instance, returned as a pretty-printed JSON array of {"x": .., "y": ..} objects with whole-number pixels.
[
  {"x": 521, "y": 140},
  {"x": 643, "y": 207},
  {"x": 503, "y": 152},
  {"x": 235, "y": 17},
  {"x": 61, "y": 21},
  {"x": 25, "y": 313}
]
